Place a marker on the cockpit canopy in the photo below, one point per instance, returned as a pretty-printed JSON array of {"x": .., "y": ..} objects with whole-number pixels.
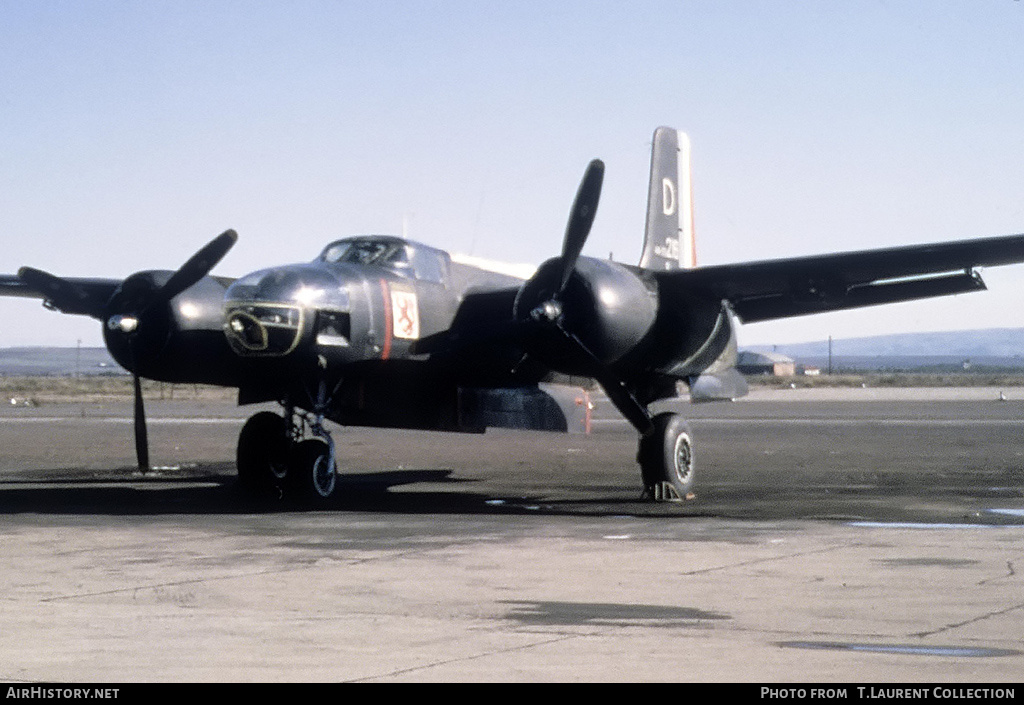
[
  {"x": 366, "y": 251},
  {"x": 403, "y": 257}
]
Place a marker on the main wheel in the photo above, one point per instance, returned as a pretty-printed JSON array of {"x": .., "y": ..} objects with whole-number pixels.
[
  {"x": 262, "y": 456},
  {"x": 666, "y": 459},
  {"x": 312, "y": 473}
]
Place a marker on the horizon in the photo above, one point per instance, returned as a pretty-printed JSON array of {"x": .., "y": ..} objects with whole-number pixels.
[{"x": 964, "y": 332}]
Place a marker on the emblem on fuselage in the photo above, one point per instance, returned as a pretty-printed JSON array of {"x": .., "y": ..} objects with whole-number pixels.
[{"x": 405, "y": 315}]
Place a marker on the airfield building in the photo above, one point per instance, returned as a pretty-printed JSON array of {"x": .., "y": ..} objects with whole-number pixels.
[{"x": 765, "y": 363}]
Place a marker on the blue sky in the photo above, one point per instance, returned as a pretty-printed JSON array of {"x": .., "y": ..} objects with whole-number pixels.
[{"x": 133, "y": 132}]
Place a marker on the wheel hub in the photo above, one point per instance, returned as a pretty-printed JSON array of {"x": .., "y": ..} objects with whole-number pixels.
[{"x": 683, "y": 457}]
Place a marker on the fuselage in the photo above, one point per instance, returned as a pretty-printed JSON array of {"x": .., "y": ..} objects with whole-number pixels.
[{"x": 361, "y": 324}]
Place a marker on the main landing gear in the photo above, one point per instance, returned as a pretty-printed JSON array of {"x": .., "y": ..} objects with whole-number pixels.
[
  {"x": 276, "y": 461},
  {"x": 665, "y": 455}
]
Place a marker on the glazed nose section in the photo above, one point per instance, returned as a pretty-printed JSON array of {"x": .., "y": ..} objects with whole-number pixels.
[{"x": 272, "y": 311}]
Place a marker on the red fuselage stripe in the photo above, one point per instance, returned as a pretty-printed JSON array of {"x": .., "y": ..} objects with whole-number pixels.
[{"x": 386, "y": 351}]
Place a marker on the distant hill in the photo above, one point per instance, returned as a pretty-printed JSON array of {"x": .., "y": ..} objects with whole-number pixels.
[
  {"x": 994, "y": 347},
  {"x": 993, "y": 342},
  {"x": 57, "y": 362}
]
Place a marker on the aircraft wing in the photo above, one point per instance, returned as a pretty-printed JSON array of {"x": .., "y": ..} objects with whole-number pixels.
[
  {"x": 83, "y": 296},
  {"x": 760, "y": 291}
]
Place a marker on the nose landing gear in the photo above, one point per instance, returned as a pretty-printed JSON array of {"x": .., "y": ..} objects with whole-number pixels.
[
  {"x": 313, "y": 468},
  {"x": 277, "y": 461}
]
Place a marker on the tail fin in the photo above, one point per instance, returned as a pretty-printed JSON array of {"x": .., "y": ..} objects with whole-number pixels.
[{"x": 669, "y": 240}]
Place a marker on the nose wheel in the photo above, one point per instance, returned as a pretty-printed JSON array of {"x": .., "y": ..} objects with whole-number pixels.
[
  {"x": 276, "y": 463},
  {"x": 313, "y": 473}
]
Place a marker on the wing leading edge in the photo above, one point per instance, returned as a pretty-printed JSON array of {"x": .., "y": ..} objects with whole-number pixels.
[{"x": 761, "y": 291}]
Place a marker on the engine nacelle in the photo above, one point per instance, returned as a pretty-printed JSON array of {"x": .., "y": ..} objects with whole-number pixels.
[{"x": 607, "y": 307}]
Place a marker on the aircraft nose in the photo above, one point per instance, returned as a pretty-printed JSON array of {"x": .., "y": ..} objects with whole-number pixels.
[
  {"x": 269, "y": 312},
  {"x": 304, "y": 285}
]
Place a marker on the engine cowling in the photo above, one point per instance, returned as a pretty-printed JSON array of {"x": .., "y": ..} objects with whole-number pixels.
[{"x": 606, "y": 307}]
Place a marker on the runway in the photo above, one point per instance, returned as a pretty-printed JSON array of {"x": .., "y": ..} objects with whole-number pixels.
[{"x": 853, "y": 537}]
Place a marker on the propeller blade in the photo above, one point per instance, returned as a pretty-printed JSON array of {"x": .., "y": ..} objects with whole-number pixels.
[
  {"x": 581, "y": 218},
  {"x": 65, "y": 295},
  {"x": 141, "y": 435},
  {"x": 198, "y": 266}
]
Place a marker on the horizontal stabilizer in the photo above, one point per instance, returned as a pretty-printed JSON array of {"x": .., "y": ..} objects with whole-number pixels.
[{"x": 720, "y": 386}]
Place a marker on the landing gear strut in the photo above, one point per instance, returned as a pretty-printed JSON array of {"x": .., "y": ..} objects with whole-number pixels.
[{"x": 665, "y": 455}]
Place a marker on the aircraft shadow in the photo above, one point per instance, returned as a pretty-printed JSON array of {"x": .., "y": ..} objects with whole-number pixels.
[{"x": 211, "y": 490}]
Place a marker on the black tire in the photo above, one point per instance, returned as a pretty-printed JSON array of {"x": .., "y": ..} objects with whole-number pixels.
[
  {"x": 312, "y": 473},
  {"x": 666, "y": 458},
  {"x": 262, "y": 456}
]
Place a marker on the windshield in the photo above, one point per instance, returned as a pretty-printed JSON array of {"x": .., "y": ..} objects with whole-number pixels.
[
  {"x": 378, "y": 252},
  {"x": 399, "y": 256}
]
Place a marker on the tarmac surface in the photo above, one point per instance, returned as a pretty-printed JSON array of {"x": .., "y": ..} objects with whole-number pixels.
[{"x": 855, "y": 536}]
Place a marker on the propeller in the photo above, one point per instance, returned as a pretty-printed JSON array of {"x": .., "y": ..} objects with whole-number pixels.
[
  {"x": 126, "y": 310},
  {"x": 142, "y": 298},
  {"x": 549, "y": 312},
  {"x": 194, "y": 269},
  {"x": 616, "y": 389},
  {"x": 553, "y": 278}
]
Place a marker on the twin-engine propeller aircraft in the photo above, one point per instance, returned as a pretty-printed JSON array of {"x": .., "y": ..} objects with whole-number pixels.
[{"x": 382, "y": 331}]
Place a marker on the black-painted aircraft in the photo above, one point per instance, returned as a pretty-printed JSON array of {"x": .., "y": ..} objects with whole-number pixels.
[{"x": 383, "y": 331}]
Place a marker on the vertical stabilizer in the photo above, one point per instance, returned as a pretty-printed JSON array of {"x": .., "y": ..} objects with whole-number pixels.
[{"x": 669, "y": 239}]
